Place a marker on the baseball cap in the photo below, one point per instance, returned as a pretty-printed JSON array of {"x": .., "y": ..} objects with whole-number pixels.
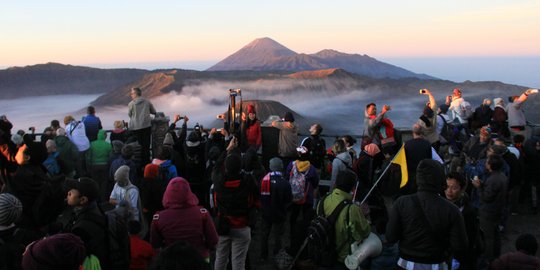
[{"x": 86, "y": 187}]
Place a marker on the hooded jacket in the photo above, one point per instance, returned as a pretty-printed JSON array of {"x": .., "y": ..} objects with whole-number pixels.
[
  {"x": 288, "y": 138},
  {"x": 68, "y": 153},
  {"x": 100, "y": 150},
  {"x": 139, "y": 113},
  {"x": 75, "y": 131},
  {"x": 183, "y": 220},
  {"x": 446, "y": 234},
  {"x": 341, "y": 162}
]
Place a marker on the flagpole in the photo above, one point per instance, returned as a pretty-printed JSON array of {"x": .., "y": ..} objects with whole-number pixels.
[{"x": 380, "y": 177}]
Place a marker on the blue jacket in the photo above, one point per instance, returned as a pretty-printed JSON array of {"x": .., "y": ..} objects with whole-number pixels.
[{"x": 92, "y": 125}]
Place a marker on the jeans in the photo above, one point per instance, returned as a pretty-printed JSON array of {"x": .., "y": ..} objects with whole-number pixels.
[
  {"x": 237, "y": 242},
  {"x": 492, "y": 237}
]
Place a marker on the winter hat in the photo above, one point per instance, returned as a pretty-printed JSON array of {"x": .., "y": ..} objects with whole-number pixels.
[
  {"x": 168, "y": 140},
  {"x": 60, "y": 251},
  {"x": 17, "y": 139},
  {"x": 86, "y": 187},
  {"x": 430, "y": 176},
  {"x": 498, "y": 101},
  {"x": 10, "y": 209},
  {"x": 372, "y": 149},
  {"x": 193, "y": 139},
  {"x": 60, "y": 132},
  {"x": 288, "y": 117},
  {"x": 233, "y": 165},
  {"x": 251, "y": 108},
  {"x": 178, "y": 193},
  {"x": 37, "y": 152},
  {"x": 276, "y": 164},
  {"x": 121, "y": 176},
  {"x": 117, "y": 146},
  {"x": 151, "y": 171}
]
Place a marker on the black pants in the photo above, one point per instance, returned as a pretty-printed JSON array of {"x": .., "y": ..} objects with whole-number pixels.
[{"x": 143, "y": 137}]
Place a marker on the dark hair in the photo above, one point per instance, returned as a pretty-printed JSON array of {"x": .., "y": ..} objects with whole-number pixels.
[
  {"x": 90, "y": 110},
  {"x": 55, "y": 123},
  {"x": 369, "y": 105},
  {"x": 495, "y": 162},
  {"x": 518, "y": 138},
  {"x": 179, "y": 256},
  {"x": 349, "y": 139},
  {"x": 137, "y": 91},
  {"x": 339, "y": 147},
  {"x": 134, "y": 227},
  {"x": 346, "y": 180},
  {"x": 318, "y": 128},
  {"x": 527, "y": 243},
  {"x": 460, "y": 179},
  {"x": 166, "y": 153}
]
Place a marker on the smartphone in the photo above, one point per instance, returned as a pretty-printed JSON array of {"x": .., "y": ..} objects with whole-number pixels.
[{"x": 422, "y": 91}]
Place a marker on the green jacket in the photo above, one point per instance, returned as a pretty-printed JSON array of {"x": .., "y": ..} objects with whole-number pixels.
[
  {"x": 69, "y": 153},
  {"x": 100, "y": 150},
  {"x": 356, "y": 230}
]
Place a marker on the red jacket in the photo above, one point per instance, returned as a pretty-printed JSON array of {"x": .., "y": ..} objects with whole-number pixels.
[{"x": 253, "y": 134}]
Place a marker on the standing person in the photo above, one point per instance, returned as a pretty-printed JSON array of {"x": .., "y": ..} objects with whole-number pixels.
[
  {"x": 341, "y": 162},
  {"x": 288, "y": 138},
  {"x": 97, "y": 159},
  {"x": 183, "y": 220},
  {"x": 428, "y": 120},
  {"x": 142, "y": 252},
  {"x": 416, "y": 150},
  {"x": 316, "y": 146},
  {"x": 68, "y": 152},
  {"x": 349, "y": 145},
  {"x": 251, "y": 130},
  {"x": 351, "y": 226},
  {"x": 234, "y": 198},
  {"x": 119, "y": 133},
  {"x": 92, "y": 123},
  {"x": 493, "y": 194},
  {"x": 461, "y": 109},
  {"x": 140, "y": 121},
  {"x": 428, "y": 227},
  {"x": 373, "y": 123},
  {"x": 482, "y": 115},
  {"x": 499, "y": 118},
  {"x": 76, "y": 133},
  {"x": 275, "y": 197},
  {"x": 52, "y": 163},
  {"x": 126, "y": 194},
  {"x": 516, "y": 114}
]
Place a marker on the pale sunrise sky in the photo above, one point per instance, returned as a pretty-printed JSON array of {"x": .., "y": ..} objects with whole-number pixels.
[{"x": 197, "y": 34}]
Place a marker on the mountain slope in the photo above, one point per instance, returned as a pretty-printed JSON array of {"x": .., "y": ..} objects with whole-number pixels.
[
  {"x": 58, "y": 79},
  {"x": 265, "y": 54}
]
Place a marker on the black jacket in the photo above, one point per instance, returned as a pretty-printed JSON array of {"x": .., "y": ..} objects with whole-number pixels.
[{"x": 417, "y": 244}]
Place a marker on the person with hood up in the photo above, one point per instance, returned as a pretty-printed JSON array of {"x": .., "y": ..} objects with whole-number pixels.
[
  {"x": 97, "y": 159},
  {"x": 427, "y": 226},
  {"x": 288, "y": 138},
  {"x": 68, "y": 152},
  {"x": 64, "y": 251},
  {"x": 499, "y": 118},
  {"x": 139, "y": 111},
  {"x": 181, "y": 221},
  {"x": 125, "y": 194},
  {"x": 341, "y": 162},
  {"x": 428, "y": 120},
  {"x": 373, "y": 124},
  {"x": 251, "y": 129}
]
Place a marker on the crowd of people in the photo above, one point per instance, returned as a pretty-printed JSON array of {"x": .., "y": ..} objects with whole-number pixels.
[{"x": 71, "y": 199}]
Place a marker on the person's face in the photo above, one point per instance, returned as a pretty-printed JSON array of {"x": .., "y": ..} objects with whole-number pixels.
[
  {"x": 251, "y": 116},
  {"x": 74, "y": 198},
  {"x": 456, "y": 93},
  {"x": 453, "y": 190},
  {"x": 372, "y": 110},
  {"x": 133, "y": 94},
  {"x": 313, "y": 130}
]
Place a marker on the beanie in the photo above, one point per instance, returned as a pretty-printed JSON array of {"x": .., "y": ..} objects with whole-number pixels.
[
  {"x": 10, "y": 209},
  {"x": 117, "y": 146},
  {"x": 168, "y": 140},
  {"x": 121, "y": 176},
  {"x": 17, "y": 139},
  {"x": 60, "y": 251},
  {"x": 251, "y": 108},
  {"x": 193, "y": 139},
  {"x": 276, "y": 164},
  {"x": 151, "y": 171},
  {"x": 430, "y": 176}
]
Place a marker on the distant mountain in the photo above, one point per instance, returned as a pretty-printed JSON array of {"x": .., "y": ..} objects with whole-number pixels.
[
  {"x": 267, "y": 54},
  {"x": 58, "y": 79}
]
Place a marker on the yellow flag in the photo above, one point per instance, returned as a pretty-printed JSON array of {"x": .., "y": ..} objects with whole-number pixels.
[{"x": 402, "y": 162}]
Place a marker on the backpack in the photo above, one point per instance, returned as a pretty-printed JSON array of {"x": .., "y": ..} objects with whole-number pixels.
[
  {"x": 298, "y": 185},
  {"x": 465, "y": 110},
  {"x": 117, "y": 238},
  {"x": 321, "y": 244},
  {"x": 163, "y": 174},
  {"x": 447, "y": 131}
]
